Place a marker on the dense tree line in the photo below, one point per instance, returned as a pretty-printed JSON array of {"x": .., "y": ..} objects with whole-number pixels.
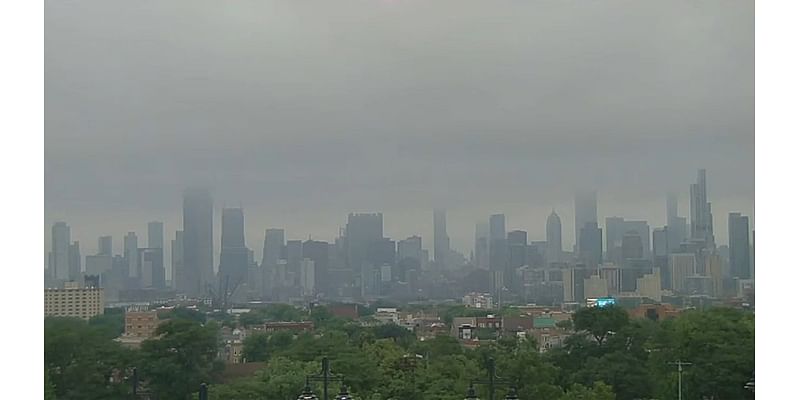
[{"x": 608, "y": 356}]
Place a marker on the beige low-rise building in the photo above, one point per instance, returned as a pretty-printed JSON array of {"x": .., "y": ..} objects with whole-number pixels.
[{"x": 74, "y": 301}]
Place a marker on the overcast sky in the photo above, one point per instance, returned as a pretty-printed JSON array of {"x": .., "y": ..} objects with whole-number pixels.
[{"x": 303, "y": 111}]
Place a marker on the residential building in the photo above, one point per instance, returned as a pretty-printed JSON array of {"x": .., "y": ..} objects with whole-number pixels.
[{"x": 73, "y": 301}]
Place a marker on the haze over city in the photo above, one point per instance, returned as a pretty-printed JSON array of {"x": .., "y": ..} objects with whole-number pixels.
[{"x": 303, "y": 113}]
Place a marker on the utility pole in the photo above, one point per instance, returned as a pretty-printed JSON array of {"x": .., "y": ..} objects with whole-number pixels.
[{"x": 680, "y": 364}]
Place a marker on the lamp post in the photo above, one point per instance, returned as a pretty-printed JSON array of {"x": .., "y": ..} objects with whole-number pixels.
[
  {"x": 492, "y": 382},
  {"x": 203, "y": 392},
  {"x": 680, "y": 365},
  {"x": 326, "y": 377}
]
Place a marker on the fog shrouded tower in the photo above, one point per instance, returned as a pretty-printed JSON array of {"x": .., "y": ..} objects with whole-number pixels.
[
  {"x": 498, "y": 253},
  {"x": 441, "y": 242},
  {"x": 554, "y": 246},
  {"x": 585, "y": 213},
  {"x": 104, "y": 246},
  {"x": 702, "y": 221},
  {"x": 233, "y": 258},
  {"x": 198, "y": 248},
  {"x": 482, "y": 245},
  {"x": 131, "y": 254},
  {"x": 75, "y": 261},
  {"x": 361, "y": 231},
  {"x": 59, "y": 266},
  {"x": 178, "y": 267},
  {"x": 155, "y": 235},
  {"x": 274, "y": 240},
  {"x": 739, "y": 245}
]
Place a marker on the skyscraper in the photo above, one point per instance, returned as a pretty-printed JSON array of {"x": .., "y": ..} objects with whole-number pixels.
[
  {"x": 274, "y": 240},
  {"x": 702, "y": 221},
  {"x": 554, "y": 246},
  {"x": 60, "y": 251},
  {"x": 198, "y": 249},
  {"x": 155, "y": 235},
  {"x": 441, "y": 242},
  {"x": 591, "y": 240},
  {"x": 319, "y": 253},
  {"x": 739, "y": 245},
  {"x": 482, "y": 245},
  {"x": 104, "y": 246},
  {"x": 616, "y": 229},
  {"x": 131, "y": 254},
  {"x": 498, "y": 251},
  {"x": 75, "y": 262},
  {"x": 585, "y": 212},
  {"x": 151, "y": 267},
  {"x": 233, "y": 258},
  {"x": 179, "y": 273},
  {"x": 517, "y": 249},
  {"x": 361, "y": 231}
]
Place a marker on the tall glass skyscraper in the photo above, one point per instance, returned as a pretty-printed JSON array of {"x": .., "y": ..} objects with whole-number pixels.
[{"x": 198, "y": 249}]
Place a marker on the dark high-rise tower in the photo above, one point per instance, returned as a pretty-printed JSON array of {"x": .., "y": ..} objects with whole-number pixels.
[
  {"x": 702, "y": 220},
  {"x": 441, "y": 242},
  {"x": 585, "y": 212},
  {"x": 198, "y": 249},
  {"x": 554, "y": 246},
  {"x": 104, "y": 246},
  {"x": 361, "y": 231},
  {"x": 739, "y": 245},
  {"x": 59, "y": 255},
  {"x": 233, "y": 258},
  {"x": 591, "y": 250},
  {"x": 274, "y": 240}
]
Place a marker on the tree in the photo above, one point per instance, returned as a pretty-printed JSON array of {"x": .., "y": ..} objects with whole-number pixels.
[
  {"x": 111, "y": 324},
  {"x": 80, "y": 359},
  {"x": 255, "y": 347},
  {"x": 175, "y": 364},
  {"x": 600, "y": 321},
  {"x": 599, "y": 391}
]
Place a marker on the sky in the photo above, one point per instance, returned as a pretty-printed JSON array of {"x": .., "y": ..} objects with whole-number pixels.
[{"x": 303, "y": 111}]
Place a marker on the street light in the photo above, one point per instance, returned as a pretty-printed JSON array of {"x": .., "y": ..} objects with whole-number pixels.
[
  {"x": 307, "y": 393},
  {"x": 343, "y": 394},
  {"x": 471, "y": 393},
  {"x": 326, "y": 377},
  {"x": 492, "y": 382}
]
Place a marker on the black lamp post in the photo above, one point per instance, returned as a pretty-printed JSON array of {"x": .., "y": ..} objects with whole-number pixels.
[
  {"x": 203, "y": 391},
  {"x": 326, "y": 377},
  {"x": 492, "y": 382},
  {"x": 307, "y": 393},
  {"x": 343, "y": 394}
]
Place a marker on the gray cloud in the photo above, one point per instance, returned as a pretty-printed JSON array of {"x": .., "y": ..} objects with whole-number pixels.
[{"x": 304, "y": 111}]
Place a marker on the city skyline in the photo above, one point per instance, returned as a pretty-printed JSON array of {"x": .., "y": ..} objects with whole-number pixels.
[
  {"x": 254, "y": 233},
  {"x": 378, "y": 107}
]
